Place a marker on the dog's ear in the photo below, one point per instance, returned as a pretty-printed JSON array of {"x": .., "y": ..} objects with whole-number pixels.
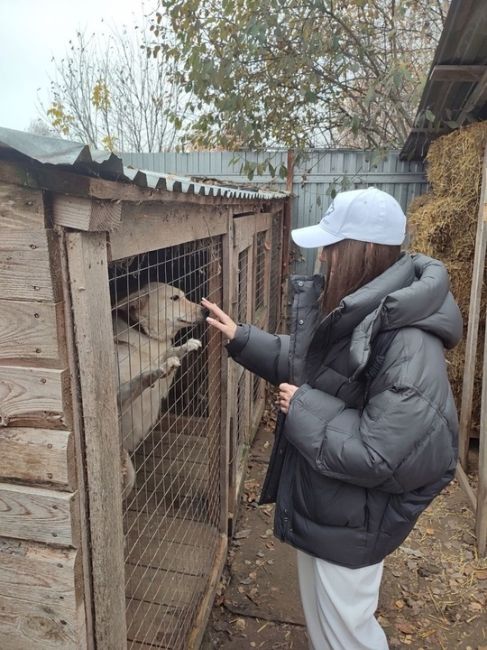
[{"x": 137, "y": 307}]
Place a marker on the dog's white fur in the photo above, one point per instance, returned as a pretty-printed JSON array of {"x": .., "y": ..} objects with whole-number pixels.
[{"x": 148, "y": 360}]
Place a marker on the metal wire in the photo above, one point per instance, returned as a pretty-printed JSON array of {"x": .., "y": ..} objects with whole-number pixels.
[{"x": 171, "y": 431}]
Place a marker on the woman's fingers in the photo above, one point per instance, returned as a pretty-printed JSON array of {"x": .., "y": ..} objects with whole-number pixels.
[{"x": 220, "y": 319}]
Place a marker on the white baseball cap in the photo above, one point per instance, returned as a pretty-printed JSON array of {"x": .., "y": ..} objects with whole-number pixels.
[{"x": 365, "y": 215}]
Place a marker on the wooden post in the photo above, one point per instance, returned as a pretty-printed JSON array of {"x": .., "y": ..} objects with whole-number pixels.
[
  {"x": 87, "y": 261},
  {"x": 473, "y": 322},
  {"x": 482, "y": 487},
  {"x": 287, "y": 214}
]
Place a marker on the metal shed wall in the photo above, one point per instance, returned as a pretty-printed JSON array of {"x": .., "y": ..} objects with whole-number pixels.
[{"x": 314, "y": 178}]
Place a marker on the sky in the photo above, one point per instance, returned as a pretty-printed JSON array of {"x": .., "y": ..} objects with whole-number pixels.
[{"x": 32, "y": 32}]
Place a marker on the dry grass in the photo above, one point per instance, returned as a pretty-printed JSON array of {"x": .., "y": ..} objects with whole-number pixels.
[{"x": 443, "y": 225}]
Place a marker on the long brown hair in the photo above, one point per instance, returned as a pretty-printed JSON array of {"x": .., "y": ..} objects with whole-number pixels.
[{"x": 349, "y": 265}]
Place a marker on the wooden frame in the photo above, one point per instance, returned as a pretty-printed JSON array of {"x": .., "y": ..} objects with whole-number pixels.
[{"x": 479, "y": 501}]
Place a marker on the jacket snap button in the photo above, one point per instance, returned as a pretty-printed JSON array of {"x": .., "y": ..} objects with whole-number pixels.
[
  {"x": 300, "y": 283},
  {"x": 301, "y": 321}
]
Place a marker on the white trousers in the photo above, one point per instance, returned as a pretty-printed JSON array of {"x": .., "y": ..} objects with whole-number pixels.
[{"x": 339, "y": 605}]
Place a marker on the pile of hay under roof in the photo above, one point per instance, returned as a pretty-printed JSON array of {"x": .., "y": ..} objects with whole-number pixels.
[{"x": 443, "y": 224}]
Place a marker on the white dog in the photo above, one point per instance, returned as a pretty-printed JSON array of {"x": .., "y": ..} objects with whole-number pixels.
[{"x": 148, "y": 360}]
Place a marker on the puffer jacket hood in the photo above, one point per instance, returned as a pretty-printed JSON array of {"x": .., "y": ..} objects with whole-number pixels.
[
  {"x": 355, "y": 462},
  {"x": 414, "y": 292}
]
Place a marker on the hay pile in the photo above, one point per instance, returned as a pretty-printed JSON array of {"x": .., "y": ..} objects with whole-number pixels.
[{"x": 443, "y": 225}]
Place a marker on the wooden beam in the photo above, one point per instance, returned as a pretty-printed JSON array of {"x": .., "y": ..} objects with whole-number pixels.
[
  {"x": 39, "y": 603},
  {"x": 88, "y": 270},
  {"x": 33, "y": 397},
  {"x": 37, "y": 456},
  {"x": 150, "y": 226},
  {"x": 481, "y": 524},
  {"x": 457, "y": 72},
  {"x": 39, "y": 515},
  {"x": 86, "y": 214},
  {"x": 86, "y": 586},
  {"x": 473, "y": 322},
  {"x": 476, "y": 97}
]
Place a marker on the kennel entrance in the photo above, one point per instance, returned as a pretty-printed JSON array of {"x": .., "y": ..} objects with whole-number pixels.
[{"x": 171, "y": 433}]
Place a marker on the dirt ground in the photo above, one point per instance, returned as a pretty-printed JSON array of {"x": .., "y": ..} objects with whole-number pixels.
[{"x": 434, "y": 591}]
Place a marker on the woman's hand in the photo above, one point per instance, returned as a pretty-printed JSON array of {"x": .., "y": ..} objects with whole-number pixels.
[
  {"x": 219, "y": 319},
  {"x": 286, "y": 393}
]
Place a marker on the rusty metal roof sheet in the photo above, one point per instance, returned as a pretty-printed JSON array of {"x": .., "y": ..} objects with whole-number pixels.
[
  {"x": 85, "y": 160},
  {"x": 456, "y": 90}
]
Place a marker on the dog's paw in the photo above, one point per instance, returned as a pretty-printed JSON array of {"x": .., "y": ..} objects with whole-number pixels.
[
  {"x": 193, "y": 344},
  {"x": 127, "y": 474},
  {"x": 171, "y": 363}
]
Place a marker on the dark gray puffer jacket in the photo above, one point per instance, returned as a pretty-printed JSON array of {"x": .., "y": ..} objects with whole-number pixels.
[{"x": 350, "y": 473}]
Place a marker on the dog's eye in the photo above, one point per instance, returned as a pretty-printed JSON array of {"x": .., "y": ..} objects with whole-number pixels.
[{"x": 175, "y": 297}]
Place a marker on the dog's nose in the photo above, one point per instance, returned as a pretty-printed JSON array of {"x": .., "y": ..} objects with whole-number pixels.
[{"x": 205, "y": 312}]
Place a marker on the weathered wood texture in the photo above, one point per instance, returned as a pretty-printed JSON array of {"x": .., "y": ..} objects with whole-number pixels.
[
  {"x": 86, "y": 214},
  {"x": 31, "y": 331},
  {"x": 20, "y": 208},
  {"x": 38, "y": 514},
  {"x": 482, "y": 487},
  {"x": 34, "y": 397},
  {"x": 150, "y": 226},
  {"x": 37, "y": 456},
  {"x": 473, "y": 322},
  {"x": 87, "y": 261},
  {"x": 28, "y": 272},
  {"x": 38, "y": 606}
]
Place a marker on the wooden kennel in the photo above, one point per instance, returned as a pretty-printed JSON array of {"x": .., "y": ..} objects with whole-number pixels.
[{"x": 78, "y": 567}]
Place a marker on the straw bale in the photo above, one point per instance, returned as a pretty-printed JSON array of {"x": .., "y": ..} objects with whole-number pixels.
[{"x": 443, "y": 224}]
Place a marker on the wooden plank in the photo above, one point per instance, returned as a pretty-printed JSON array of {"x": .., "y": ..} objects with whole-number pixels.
[
  {"x": 150, "y": 226},
  {"x": 170, "y": 529},
  {"x": 21, "y": 208},
  {"x": 31, "y": 330},
  {"x": 156, "y": 625},
  {"x": 39, "y": 605},
  {"x": 37, "y": 456},
  {"x": 246, "y": 227},
  {"x": 85, "y": 582},
  {"x": 457, "y": 72},
  {"x": 33, "y": 396},
  {"x": 206, "y": 603},
  {"x": 473, "y": 322},
  {"x": 163, "y": 587},
  {"x": 192, "y": 448},
  {"x": 38, "y": 514},
  {"x": 481, "y": 523},
  {"x": 171, "y": 556},
  {"x": 86, "y": 214},
  {"x": 88, "y": 269},
  {"x": 25, "y": 266}
]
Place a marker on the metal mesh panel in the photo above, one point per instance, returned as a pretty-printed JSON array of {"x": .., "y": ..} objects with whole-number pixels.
[
  {"x": 169, "y": 366},
  {"x": 275, "y": 279},
  {"x": 260, "y": 271}
]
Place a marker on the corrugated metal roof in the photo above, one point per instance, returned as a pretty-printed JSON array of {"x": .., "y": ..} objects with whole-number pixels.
[
  {"x": 456, "y": 90},
  {"x": 85, "y": 160}
]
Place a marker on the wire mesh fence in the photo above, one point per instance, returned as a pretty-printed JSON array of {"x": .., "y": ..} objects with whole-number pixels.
[{"x": 169, "y": 378}]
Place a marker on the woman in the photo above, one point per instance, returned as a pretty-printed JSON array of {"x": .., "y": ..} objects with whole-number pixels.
[{"x": 369, "y": 435}]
